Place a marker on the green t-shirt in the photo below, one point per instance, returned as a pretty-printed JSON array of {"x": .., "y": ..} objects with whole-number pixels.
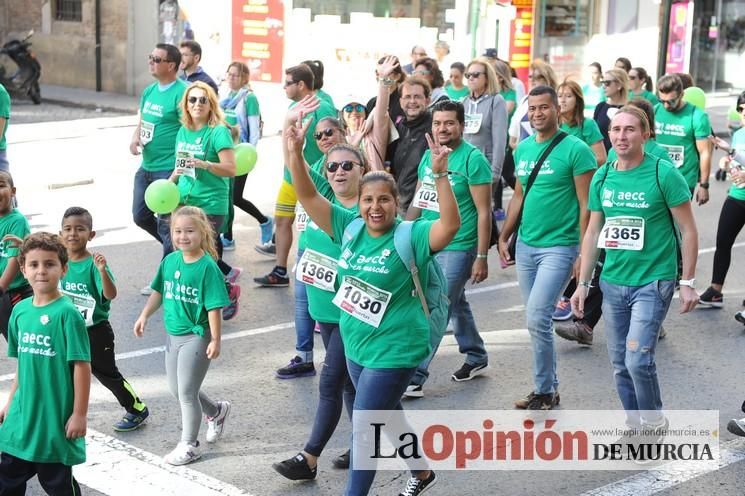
[
  {"x": 401, "y": 339},
  {"x": 589, "y": 132},
  {"x": 738, "y": 143},
  {"x": 160, "y": 114},
  {"x": 325, "y": 97},
  {"x": 4, "y": 113},
  {"x": 13, "y": 223},
  {"x": 647, "y": 95},
  {"x": 637, "y": 221},
  {"x": 593, "y": 95},
  {"x": 311, "y": 152},
  {"x": 252, "y": 108},
  {"x": 318, "y": 176},
  {"x": 457, "y": 95},
  {"x": 678, "y": 132},
  {"x": 467, "y": 167},
  {"x": 551, "y": 212},
  {"x": 189, "y": 291},
  {"x": 45, "y": 340},
  {"x": 650, "y": 148},
  {"x": 207, "y": 191},
  {"x": 510, "y": 96},
  {"x": 84, "y": 286}
]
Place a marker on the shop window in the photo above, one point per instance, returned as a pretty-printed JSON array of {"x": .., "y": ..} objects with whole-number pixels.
[
  {"x": 68, "y": 10},
  {"x": 560, "y": 18}
]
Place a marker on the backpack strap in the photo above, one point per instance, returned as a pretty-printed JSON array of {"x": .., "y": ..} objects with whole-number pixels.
[
  {"x": 352, "y": 229},
  {"x": 402, "y": 242}
]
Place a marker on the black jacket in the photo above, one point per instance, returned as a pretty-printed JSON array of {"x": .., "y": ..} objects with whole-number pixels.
[{"x": 410, "y": 148}]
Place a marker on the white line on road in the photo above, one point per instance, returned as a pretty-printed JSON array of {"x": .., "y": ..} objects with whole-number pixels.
[
  {"x": 112, "y": 464},
  {"x": 670, "y": 475}
]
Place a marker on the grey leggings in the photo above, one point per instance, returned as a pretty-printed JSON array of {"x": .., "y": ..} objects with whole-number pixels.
[{"x": 186, "y": 366}]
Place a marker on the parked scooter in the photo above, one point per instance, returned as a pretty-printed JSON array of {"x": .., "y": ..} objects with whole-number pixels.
[{"x": 25, "y": 80}]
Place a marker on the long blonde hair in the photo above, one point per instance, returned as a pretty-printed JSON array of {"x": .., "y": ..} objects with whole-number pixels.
[
  {"x": 216, "y": 116},
  {"x": 207, "y": 234},
  {"x": 492, "y": 83},
  {"x": 623, "y": 79}
]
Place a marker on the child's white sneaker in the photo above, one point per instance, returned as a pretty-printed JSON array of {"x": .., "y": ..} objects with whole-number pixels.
[
  {"x": 216, "y": 424},
  {"x": 183, "y": 453}
]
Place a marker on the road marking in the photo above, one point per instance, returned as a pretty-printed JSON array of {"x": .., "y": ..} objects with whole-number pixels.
[
  {"x": 112, "y": 464},
  {"x": 670, "y": 475}
]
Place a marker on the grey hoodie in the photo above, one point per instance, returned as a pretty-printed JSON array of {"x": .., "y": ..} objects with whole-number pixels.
[{"x": 491, "y": 136}]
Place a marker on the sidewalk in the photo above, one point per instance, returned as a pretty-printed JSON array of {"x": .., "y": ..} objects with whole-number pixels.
[{"x": 89, "y": 98}]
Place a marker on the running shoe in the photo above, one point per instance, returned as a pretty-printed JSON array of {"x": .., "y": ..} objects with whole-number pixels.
[
  {"x": 341, "y": 461},
  {"x": 414, "y": 391},
  {"x": 216, "y": 424},
  {"x": 542, "y": 402},
  {"x": 414, "y": 486},
  {"x": 737, "y": 427},
  {"x": 468, "y": 372},
  {"x": 146, "y": 291},
  {"x": 711, "y": 298},
  {"x": 227, "y": 244},
  {"x": 523, "y": 403},
  {"x": 233, "y": 275},
  {"x": 183, "y": 453},
  {"x": 563, "y": 310},
  {"x": 273, "y": 280},
  {"x": 267, "y": 228},
  {"x": 574, "y": 331},
  {"x": 296, "y": 368},
  {"x": 234, "y": 294},
  {"x": 295, "y": 468},
  {"x": 663, "y": 332},
  {"x": 269, "y": 249},
  {"x": 740, "y": 317},
  {"x": 499, "y": 215},
  {"x": 131, "y": 421}
]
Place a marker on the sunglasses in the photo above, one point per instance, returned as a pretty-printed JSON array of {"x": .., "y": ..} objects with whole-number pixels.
[
  {"x": 671, "y": 102},
  {"x": 290, "y": 83},
  {"x": 328, "y": 132},
  {"x": 346, "y": 165},
  {"x": 354, "y": 108},
  {"x": 194, "y": 99},
  {"x": 472, "y": 75},
  {"x": 607, "y": 82},
  {"x": 156, "y": 60},
  {"x": 421, "y": 72}
]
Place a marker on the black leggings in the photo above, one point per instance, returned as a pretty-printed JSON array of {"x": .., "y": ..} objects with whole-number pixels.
[
  {"x": 508, "y": 173},
  {"x": 243, "y": 204},
  {"x": 731, "y": 221}
]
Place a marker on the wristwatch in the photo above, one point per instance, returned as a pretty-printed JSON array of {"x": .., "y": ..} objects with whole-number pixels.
[
  {"x": 691, "y": 283},
  {"x": 704, "y": 185}
]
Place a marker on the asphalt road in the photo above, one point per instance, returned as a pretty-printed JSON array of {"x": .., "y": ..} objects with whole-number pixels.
[{"x": 700, "y": 362}]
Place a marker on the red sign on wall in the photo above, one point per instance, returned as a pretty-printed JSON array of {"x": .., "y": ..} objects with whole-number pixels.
[
  {"x": 258, "y": 37},
  {"x": 521, "y": 37}
]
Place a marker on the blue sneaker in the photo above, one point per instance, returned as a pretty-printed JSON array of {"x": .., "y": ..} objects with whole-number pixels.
[
  {"x": 296, "y": 368},
  {"x": 563, "y": 310},
  {"x": 227, "y": 244},
  {"x": 267, "y": 228},
  {"x": 131, "y": 421}
]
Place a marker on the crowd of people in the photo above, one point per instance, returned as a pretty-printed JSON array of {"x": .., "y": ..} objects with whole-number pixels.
[{"x": 397, "y": 200}]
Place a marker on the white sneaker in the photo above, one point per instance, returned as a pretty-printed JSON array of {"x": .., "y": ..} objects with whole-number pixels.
[
  {"x": 216, "y": 425},
  {"x": 414, "y": 391},
  {"x": 146, "y": 291},
  {"x": 183, "y": 453}
]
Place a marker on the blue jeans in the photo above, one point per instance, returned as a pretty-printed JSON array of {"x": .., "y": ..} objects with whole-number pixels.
[
  {"x": 543, "y": 273},
  {"x": 304, "y": 323},
  {"x": 377, "y": 389},
  {"x": 335, "y": 390},
  {"x": 143, "y": 216},
  {"x": 456, "y": 265},
  {"x": 633, "y": 315}
]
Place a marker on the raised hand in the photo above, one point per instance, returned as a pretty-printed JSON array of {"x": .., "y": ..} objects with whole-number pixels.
[
  {"x": 386, "y": 68},
  {"x": 439, "y": 154}
]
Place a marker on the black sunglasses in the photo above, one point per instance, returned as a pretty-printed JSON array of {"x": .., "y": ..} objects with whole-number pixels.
[
  {"x": 671, "y": 102},
  {"x": 474, "y": 75},
  {"x": 354, "y": 107},
  {"x": 156, "y": 59},
  {"x": 194, "y": 99},
  {"x": 346, "y": 165},
  {"x": 328, "y": 132},
  {"x": 607, "y": 82}
]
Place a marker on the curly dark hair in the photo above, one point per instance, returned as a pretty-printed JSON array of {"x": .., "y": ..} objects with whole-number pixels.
[
  {"x": 438, "y": 81},
  {"x": 43, "y": 241}
]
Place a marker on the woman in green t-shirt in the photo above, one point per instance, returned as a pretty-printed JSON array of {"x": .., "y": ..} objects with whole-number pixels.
[
  {"x": 383, "y": 324},
  {"x": 641, "y": 85},
  {"x": 455, "y": 88},
  {"x": 204, "y": 162},
  {"x": 572, "y": 119}
]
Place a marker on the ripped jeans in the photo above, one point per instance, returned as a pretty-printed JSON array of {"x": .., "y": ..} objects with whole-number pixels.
[{"x": 633, "y": 315}]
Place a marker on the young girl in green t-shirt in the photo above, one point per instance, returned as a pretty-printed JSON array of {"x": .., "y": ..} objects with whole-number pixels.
[{"x": 192, "y": 290}]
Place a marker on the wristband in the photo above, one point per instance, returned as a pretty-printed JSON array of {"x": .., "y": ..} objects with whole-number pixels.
[
  {"x": 482, "y": 255},
  {"x": 386, "y": 81},
  {"x": 585, "y": 284},
  {"x": 438, "y": 175}
]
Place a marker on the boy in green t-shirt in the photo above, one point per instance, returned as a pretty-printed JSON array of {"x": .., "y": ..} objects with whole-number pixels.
[
  {"x": 90, "y": 285},
  {"x": 44, "y": 421}
]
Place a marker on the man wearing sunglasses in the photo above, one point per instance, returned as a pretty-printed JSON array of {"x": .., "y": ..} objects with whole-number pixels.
[
  {"x": 155, "y": 137},
  {"x": 684, "y": 129}
]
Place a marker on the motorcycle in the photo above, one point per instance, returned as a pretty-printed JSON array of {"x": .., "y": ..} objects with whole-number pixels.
[{"x": 25, "y": 80}]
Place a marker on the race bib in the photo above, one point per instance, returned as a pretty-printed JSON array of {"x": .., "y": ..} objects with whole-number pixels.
[
  {"x": 362, "y": 301},
  {"x": 147, "y": 129},
  {"x": 317, "y": 270},
  {"x": 622, "y": 233},
  {"x": 426, "y": 198},
  {"x": 473, "y": 123},
  {"x": 676, "y": 154},
  {"x": 301, "y": 218},
  {"x": 85, "y": 305},
  {"x": 184, "y": 166}
]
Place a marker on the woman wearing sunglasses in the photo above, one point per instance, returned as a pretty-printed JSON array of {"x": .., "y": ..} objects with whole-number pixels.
[
  {"x": 204, "y": 162},
  {"x": 641, "y": 85},
  {"x": 428, "y": 69},
  {"x": 383, "y": 326},
  {"x": 615, "y": 86}
]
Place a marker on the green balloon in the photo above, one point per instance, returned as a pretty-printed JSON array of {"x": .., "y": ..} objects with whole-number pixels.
[
  {"x": 695, "y": 96},
  {"x": 162, "y": 196},
  {"x": 245, "y": 158},
  {"x": 733, "y": 115}
]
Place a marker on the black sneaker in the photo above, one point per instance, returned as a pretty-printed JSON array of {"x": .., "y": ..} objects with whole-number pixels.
[
  {"x": 737, "y": 427},
  {"x": 273, "y": 280},
  {"x": 295, "y": 468},
  {"x": 296, "y": 368},
  {"x": 542, "y": 402},
  {"x": 415, "y": 486},
  {"x": 269, "y": 249},
  {"x": 711, "y": 298},
  {"x": 468, "y": 372},
  {"x": 341, "y": 461},
  {"x": 523, "y": 403},
  {"x": 740, "y": 317}
]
